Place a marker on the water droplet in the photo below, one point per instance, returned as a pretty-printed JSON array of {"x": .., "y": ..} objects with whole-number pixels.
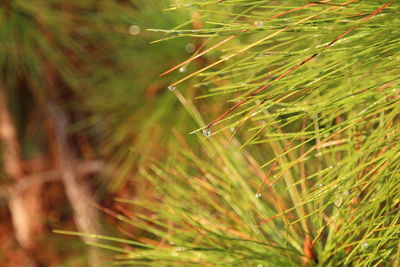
[
  {"x": 258, "y": 195},
  {"x": 339, "y": 202},
  {"x": 182, "y": 69},
  {"x": 259, "y": 23},
  {"x": 134, "y": 30},
  {"x": 172, "y": 87},
  {"x": 260, "y": 265},
  {"x": 364, "y": 245},
  {"x": 180, "y": 249},
  {"x": 198, "y": 254},
  {"x": 206, "y": 132},
  {"x": 320, "y": 185},
  {"x": 190, "y": 48},
  {"x": 346, "y": 192}
]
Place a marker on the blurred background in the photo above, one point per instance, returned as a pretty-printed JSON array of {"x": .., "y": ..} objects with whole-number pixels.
[{"x": 81, "y": 107}]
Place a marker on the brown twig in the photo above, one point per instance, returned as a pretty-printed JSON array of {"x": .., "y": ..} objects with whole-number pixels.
[{"x": 83, "y": 169}]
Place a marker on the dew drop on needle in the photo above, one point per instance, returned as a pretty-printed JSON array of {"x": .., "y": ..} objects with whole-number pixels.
[
  {"x": 258, "y": 195},
  {"x": 171, "y": 88},
  {"x": 206, "y": 132},
  {"x": 259, "y": 23},
  {"x": 339, "y": 202}
]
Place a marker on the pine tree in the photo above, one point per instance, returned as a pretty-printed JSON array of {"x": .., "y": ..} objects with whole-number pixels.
[{"x": 296, "y": 160}]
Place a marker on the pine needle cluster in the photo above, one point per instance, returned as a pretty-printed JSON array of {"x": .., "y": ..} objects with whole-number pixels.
[{"x": 299, "y": 165}]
